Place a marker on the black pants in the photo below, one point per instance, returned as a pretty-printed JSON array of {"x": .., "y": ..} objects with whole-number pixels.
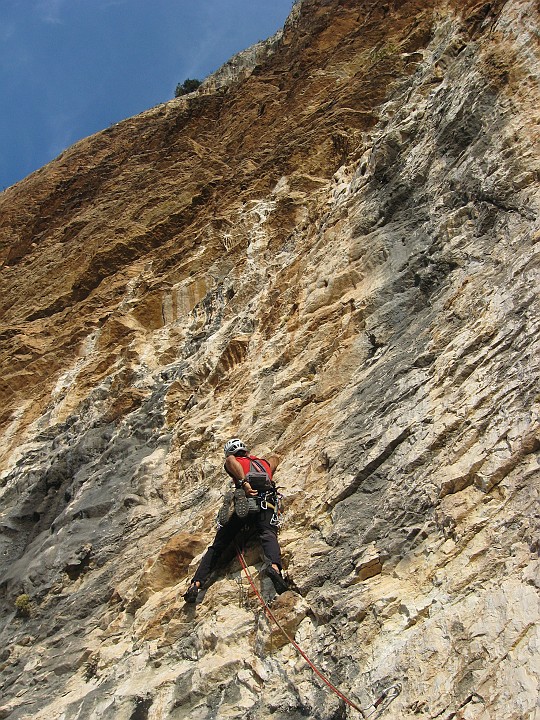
[{"x": 225, "y": 535}]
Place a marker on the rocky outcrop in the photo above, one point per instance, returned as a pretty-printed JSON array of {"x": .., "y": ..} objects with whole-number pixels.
[
  {"x": 241, "y": 65},
  {"x": 336, "y": 258}
]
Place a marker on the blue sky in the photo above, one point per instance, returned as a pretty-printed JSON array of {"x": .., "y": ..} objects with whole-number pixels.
[{"x": 69, "y": 68}]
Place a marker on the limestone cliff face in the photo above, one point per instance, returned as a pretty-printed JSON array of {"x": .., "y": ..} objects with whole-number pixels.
[{"x": 333, "y": 255}]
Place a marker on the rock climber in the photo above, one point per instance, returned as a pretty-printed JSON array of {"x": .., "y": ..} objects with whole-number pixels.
[{"x": 255, "y": 502}]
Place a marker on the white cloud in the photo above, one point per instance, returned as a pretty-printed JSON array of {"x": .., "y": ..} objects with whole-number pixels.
[{"x": 50, "y": 10}]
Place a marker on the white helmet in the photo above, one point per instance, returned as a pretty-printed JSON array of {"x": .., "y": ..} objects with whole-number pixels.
[{"x": 234, "y": 446}]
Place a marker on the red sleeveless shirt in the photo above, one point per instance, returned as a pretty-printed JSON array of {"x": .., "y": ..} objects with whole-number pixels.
[{"x": 244, "y": 462}]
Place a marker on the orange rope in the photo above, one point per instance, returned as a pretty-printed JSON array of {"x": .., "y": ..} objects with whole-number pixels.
[{"x": 297, "y": 647}]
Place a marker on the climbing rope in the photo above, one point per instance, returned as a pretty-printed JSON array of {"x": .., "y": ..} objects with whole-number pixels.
[{"x": 380, "y": 704}]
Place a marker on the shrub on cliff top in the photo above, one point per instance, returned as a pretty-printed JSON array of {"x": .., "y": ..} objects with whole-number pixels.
[{"x": 186, "y": 87}]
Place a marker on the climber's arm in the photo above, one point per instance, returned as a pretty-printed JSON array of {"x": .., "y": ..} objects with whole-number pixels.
[
  {"x": 273, "y": 461},
  {"x": 236, "y": 471}
]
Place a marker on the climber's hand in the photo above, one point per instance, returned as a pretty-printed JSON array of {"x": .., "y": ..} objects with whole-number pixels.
[{"x": 250, "y": 492}]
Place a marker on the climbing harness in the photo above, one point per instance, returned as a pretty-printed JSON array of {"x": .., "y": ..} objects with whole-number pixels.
[
  {"x": 379, "y": 705},
  {"x": 269, "y": 500}
]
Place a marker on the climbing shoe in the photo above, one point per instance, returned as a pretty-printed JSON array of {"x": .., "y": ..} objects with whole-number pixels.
[
  {"x": 227, "y": 509},
  {"x": 190, "y": 596},
  {"x": 241, "y": 503},
  {"x": 279, "y": 582}
]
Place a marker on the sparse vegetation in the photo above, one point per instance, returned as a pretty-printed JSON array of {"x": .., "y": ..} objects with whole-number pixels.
[
  {"x": 383, "y": 52},
  {"x": 189, "y": 85},
  {"x": 23, "y": 605},
  {"x": 91, "y": 667}
]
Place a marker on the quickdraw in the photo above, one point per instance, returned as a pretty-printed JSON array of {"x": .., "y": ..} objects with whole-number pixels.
[
  {"x": 265, "y": 504},
  {"x": 389, "y": 695},
  {"x": 274, "y": 505}
]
